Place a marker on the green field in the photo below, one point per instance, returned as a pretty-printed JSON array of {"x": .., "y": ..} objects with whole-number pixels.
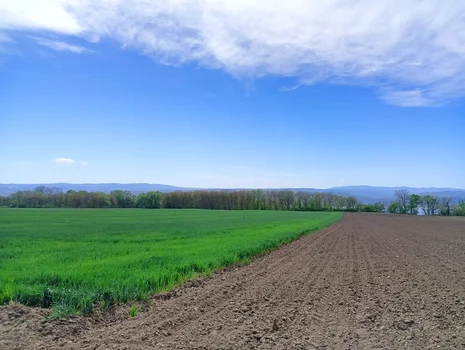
[{"x": 74, "y": 260}]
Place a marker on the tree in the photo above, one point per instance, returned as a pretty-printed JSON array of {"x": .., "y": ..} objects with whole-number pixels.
[
  {"x": 351, "y": 203},
  {"x": 303, "y": 200},
  {"x": 40, "y": 189},
  {"x": 329, "y": 200},
  {"x": 153, "y": 199},
  {"x": 445, "y": 206},
  {"x": 340, "y": 203},
  {"x": 286, "y": 199},
  {"x": 394, "y": 208},
  {"x": 378, "y": 207},
  {"x": 124, "y": 199},
  {"x": 460, "y": 209},
  {"x": 316, "y": 202},
  {"x": 413, "y": 203},
  {"x": 434, "y": 205},
  {"x": 54, "y": 190},
  {"x": 402, "y": 197},
  {"x": 5, "y": 201},
  {"x": 258, "y": 199},
  {"x": 429, "y": 204}
]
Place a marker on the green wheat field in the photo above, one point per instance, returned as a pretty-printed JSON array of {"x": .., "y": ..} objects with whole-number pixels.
[{"x": 76, "y": 260}]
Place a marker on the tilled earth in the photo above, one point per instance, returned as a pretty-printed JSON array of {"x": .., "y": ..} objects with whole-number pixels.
[{"x": 367, "y": 282}]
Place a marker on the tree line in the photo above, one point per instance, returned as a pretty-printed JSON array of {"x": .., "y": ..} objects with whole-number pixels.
[
  {"x": 46, "y": 197},
  {"x": 411, "y": 204},
  {"x": 405, "y": 203},
  {"x": 266, "y": 200}
]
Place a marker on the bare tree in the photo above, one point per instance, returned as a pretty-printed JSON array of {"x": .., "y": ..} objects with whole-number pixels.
[
  {"x": 40, "y": 189},
  {"x": 434, "y": 205},
  {"x": 403, "y": 197}
]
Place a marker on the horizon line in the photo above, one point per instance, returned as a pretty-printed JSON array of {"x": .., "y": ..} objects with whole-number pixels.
[{"x": 225, "y": 188}]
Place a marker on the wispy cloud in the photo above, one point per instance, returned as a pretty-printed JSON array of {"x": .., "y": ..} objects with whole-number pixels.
[
  {"x": 408, "y": 98},
  {"x": 411, "y": 52},
  {"x": 68, "y": 161},
  {"x": 6, "y": 43},
  {"x": 5, "y": 38},
  {"x": 291, "y": 88},
  {"x": 62, "y": 46},
  {"x": 63, "y": 161}
]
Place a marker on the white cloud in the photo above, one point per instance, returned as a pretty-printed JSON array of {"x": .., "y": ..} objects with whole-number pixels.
[
  {"x": 411, "y": 52},
  {"x": 63, "y": 161},
  {"x": 408, "y": 98},
  {"x": 67, "y": 161},
  {"x": 39, "y": 14},
  {"x": 61, "y": 46}
]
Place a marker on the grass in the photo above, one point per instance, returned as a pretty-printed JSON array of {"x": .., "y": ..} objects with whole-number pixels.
[
  {"x": 134, "y": 311},
  {"x": 76, "y": 260}
]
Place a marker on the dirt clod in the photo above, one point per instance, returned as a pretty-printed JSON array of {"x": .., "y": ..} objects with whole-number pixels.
[{"x": 275, "y": 326}]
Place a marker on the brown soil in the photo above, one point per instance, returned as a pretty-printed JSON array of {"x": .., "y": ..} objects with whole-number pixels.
[{"x": 367, "y": 282}]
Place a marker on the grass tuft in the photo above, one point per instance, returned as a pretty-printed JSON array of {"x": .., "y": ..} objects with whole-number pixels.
[{"x": 134, "y": 311}]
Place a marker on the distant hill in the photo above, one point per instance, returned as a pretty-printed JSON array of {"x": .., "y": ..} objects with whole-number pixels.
[
  {"x": 365, "y": 194},
  {"x": 136, "y": 188}
]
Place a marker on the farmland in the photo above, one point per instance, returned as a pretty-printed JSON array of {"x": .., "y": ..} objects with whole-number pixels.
[
  {"x": 367, "y": 282},
  {"x": 75, "y": 260}
]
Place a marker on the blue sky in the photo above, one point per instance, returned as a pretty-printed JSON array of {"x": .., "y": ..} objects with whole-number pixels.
[{"x": 211, "y": 97}]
